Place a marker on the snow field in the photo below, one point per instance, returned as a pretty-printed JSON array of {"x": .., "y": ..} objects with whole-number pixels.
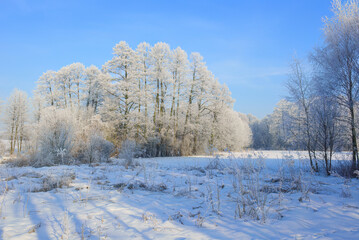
[{"x": 252, "y": 195}]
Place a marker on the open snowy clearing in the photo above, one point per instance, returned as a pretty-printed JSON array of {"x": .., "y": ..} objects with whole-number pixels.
[{"x": 251, "y": 195}]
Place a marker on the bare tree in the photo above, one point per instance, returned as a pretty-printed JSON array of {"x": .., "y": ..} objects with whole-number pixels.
[
  {"x": 300, "y": 89},
  {"x": 15, "y": 118},
  {"x": 326, "y": 130},
  {"x": 338, "y": 60}
]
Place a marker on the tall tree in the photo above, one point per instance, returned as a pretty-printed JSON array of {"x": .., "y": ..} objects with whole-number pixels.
[
  {"x": 179, "y": 71},
  {"x": 160, "y": 53},
  {"x": 338, "y": 62},
  {"x": 301, "y": 92},
  {"x": 47, "y": 88},
  {"x": 93, "y": 88},
  {"x": 70, "y": 80},
  {"x": 15, "y": 118},
  {"x": 145, "y": 88},
  {"x": 123, "y": 87}
]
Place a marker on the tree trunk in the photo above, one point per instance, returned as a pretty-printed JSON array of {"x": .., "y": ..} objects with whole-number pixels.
[{"x": 354, "y": 137}]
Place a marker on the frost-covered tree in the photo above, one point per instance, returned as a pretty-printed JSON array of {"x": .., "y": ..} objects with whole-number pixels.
[
  {"x": 70, "y": 80},
  {"x": 93, "y": 87},
  {"x": 16, "y": 115},
  {"x": 179, "y": 71},
  {"x": 327, "y": 128},
  {"x": 160, "y": 54},
  {"x": 262, "y": 138},
  {"x": 232, "y": 131},
  {"x": 144, "y": 97},
  {"x": 198, "y": 76},
  {"x": 62, "y": 88},
  {"x": 47, "y": 88},
  {"x": 301, "y": 93},
  {"x": 280, "y": 125},
  {"x": 122, "y": 89},
  {"x": 337, "y": 62},
  {"x": 279, "y": 130},
  {"x": 90, "y": 144}
]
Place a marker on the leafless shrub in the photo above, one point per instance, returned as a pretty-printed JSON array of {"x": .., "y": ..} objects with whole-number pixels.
[
  {"x": 215, "y": 164},
  {"x": 34, "y": 228},
  {"x": 346, "y": 193},
  {"x": 138, "y": 185},
  {"x": 55, "y": 138},
  {"x": 151, "y": 219},
  {"x": 344, "y": 169},
  {"x": 3, "y": 196},
  {"x": 197, "y": 171},
  {"x": 2, "y": 149},
  {"x": 98, "y": 149},
  {"x": 200, "y": 220},
  {"x": 129, "y": 150},
  {"x": 102, "y": 235},
  {"x": 10, "y": 178},
  {"x": 291, "y": 178},
  {"x": 52, "y": 182},
  {"x": 251, "y": 201},
  {"x": 20, "y": 161},
  {"x": 31, "y": 174},
  {"x": 176, "y": 217},
  {"x": 65, "y": 225},
  {"x": 209, "y": 197}
]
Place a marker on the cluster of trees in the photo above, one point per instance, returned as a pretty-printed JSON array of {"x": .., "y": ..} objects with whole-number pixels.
[
  {"x": 274, "y": 131},
  {"x": 320, "y": 114},
  {"x": 167, "y": 102}
]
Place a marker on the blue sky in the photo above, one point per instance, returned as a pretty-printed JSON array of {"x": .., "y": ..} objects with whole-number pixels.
[{"x": 247, "y": 44}]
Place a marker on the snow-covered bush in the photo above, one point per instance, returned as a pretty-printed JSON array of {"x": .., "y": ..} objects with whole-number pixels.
[
  {"x": 343, "y": 168},
  {"x": 51, "y": 182},
  {"x": 2, "y": 148},
  {"x": 150, "y": 147},
  {"x": 55, "y": 137},
  {"x": 346, "y": 193},
  {"x": 129, "y": 150},
  {"x": 89, "y": 143},
  {"x": 251, "y": 195},
  {"x": 215, "y": 163},
  {"x": 67, "y": 136},
  {"x": 98, "y": 149},
  {"x": 66, "y": 227}
]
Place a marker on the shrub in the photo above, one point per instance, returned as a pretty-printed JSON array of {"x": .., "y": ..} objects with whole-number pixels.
[
  {"x": 150, "y": 147},
  {"x": 2, "y": 148},
  {"x": 129, "y": 150},
  {"x": 55, "y": 137},
  {"x": 52, "y": 182},
  {"x": 98, "y": 149},
  {"x": 343, "y": 168}
]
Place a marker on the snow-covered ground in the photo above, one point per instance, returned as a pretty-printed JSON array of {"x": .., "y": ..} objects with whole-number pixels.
[{"x": 249, "y": 195}]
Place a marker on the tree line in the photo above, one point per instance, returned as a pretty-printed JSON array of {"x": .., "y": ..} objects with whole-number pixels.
[{"x": 168, "y": 103}]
